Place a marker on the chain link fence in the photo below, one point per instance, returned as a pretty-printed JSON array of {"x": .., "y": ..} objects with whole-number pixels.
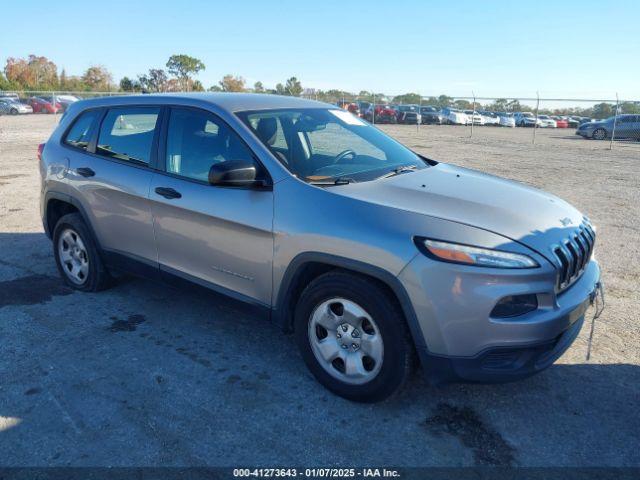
[{"x": 604, "y": 120}]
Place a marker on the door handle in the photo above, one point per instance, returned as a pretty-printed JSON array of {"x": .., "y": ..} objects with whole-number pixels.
[
  {"x": 85, "y": 172},
  {"x": 167, "y": 192}
]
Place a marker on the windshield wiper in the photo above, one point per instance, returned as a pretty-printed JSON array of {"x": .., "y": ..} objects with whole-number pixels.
[
  {"x": 398, "y": 171},
  {"x": 334, "y": 181}
]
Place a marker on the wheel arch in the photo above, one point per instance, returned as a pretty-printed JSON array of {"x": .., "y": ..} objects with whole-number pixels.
[
  {"x": 56, "y": 205},
  {"x": 309, "y": 265}
]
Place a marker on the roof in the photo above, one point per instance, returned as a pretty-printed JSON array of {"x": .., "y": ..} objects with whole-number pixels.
[{"x": 233, "y": 102}]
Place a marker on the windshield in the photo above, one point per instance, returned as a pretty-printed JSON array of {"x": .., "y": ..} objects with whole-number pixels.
[{"x": 322, "y": 145}]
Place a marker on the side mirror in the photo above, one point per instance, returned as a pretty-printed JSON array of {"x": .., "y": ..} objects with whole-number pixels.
[{"x": 235, "y": 173}]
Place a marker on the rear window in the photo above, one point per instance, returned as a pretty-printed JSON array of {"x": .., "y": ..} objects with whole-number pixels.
[
  {"x": 127, "y": 133},
  {"x": 79, "y": 134}
]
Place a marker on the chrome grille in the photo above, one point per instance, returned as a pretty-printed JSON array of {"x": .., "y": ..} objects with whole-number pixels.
[{"x": 573, "y": 254}]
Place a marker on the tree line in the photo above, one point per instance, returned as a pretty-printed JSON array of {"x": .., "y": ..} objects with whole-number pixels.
[{"x": 38, "y": 73}]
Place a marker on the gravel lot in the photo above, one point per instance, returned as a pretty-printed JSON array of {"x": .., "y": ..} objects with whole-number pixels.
[{"x": 143, "y": 374}]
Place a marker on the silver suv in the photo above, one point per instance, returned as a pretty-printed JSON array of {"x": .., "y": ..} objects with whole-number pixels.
[{"x": 369, "y": 253}]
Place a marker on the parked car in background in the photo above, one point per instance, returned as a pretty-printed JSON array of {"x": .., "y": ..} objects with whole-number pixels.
[
  {"x": 560, "y": 122},
  {"x": 9, "y": 106},
  {"x": 573, "y": 122},
  {"x": 65, "y": 100},
  {"x": 431, "y": 115},
  {"x": 385, "y": 114},
  {"x": 363, "y": 106},
  {"x": 526, "y": 119},
  {"x": 10, "y": 96},
  {"x": 474, "y": 117},
  {"x": 547, "y": 122},
  {"x": 626, "y": 126},
  {"x": 453, "y": 116},
  {"x": 402, "y": 109},
  {"x": 490, "y": 118},
  {"x": 44, "y": 105},
  {"x": 506, "y": 119},
  {"x": 410, "y": 118}
]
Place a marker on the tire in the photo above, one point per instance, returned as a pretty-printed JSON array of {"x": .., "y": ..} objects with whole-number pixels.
[
  {"x": 599, "y": 134},
  {"x": 82, "y": 269},
  {"x": 342, "y": 300},
  {"x": 13, "y": 111}
]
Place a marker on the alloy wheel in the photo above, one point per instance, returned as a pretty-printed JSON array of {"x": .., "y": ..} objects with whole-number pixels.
[{"x": 600, "y": 134}]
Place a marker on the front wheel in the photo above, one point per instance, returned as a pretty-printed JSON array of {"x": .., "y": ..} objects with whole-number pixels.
[
  {"x": 13, "y": 111},
  {"x": 353, "y": 337},
  {"x": 599, "y": 134}
]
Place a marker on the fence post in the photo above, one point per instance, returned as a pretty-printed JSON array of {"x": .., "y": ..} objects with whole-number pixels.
[
  {"x": 473, "y": 109},
  {"x": 373, "y": 110},
  {"x": 418, "y": 113},
  {"x": 615, "y": 121},
  {"x": 535, "y": 126}
]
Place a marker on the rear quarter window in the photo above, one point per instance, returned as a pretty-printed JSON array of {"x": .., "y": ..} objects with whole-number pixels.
[{"x": 79, "y": 134}]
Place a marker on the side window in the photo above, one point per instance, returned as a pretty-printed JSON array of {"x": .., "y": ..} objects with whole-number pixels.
[
  {"x": 78, "y": 135},
  {"x": 127, "y": 133},
  {"x": 269, "y": 125},
  {"x": 196, "y": 140}
]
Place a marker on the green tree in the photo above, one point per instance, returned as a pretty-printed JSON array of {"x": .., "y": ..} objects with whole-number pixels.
[
  {"x": 258, "y": 87},
  {"x": 34, "y": 72},
  {"x": 630, "y": 107},
  {"x": 499, "y": 105},
  {"x": 155, "y": 81},
  {"x": 126, "y": 84},
  {"x": 603, "y": 110},
  {"x": 293, "y": 87},
  {"x": 183, "y": 67},
  {"x": 280, "y": 90},
  {"x": 197, "y": 86},
  {"x": 232, "y": 83},
  {"x": 407, "y": 98},
  {"x": 464, "y": 104},
  {"x": 515, "y": 106},
  {"x": 97, "y": 78},
  {"x": 215, "y": 88}
]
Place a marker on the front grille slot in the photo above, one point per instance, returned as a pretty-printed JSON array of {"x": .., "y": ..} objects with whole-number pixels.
[{"x": 573, "y": 255}]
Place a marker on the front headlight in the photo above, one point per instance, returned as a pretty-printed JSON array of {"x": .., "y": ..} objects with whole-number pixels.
[{"x": 481, "y": 257}]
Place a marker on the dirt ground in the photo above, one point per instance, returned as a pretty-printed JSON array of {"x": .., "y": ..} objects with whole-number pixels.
[{"x": 144, "y": 374}]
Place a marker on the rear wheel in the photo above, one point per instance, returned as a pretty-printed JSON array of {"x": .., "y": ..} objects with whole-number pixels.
[
  {"x": 599, "y": 134},
  {"x": 13, "y": 111},
  {"x": 76, "y": 255},
  {"x": 353, "y": 337}
]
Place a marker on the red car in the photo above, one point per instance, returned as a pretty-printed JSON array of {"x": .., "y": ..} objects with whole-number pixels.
[
  {"x": 42, "y": 105},
  {"x": 561, "y": 122},
  {"x": 385, "y": 114}
]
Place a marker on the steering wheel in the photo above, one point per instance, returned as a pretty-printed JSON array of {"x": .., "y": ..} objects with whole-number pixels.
[{"x": 342, "y": 155}]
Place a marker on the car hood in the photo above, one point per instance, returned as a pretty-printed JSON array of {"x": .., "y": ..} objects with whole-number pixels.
[{"x": 524, "y": 214}]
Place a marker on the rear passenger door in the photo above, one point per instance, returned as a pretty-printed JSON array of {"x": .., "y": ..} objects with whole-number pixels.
[
  {"x": 110, "y": 177},
  {"x": 220, "y": 237}
]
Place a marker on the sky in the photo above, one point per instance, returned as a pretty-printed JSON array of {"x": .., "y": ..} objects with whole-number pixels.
[{"x": 561, "y": 49}]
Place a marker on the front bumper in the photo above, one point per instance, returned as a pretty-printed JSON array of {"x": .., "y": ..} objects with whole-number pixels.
[
  {"x": 459, "y": 338},
  {"x": 504, "y": 364},
  {"x": 585, "y": 133}
]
